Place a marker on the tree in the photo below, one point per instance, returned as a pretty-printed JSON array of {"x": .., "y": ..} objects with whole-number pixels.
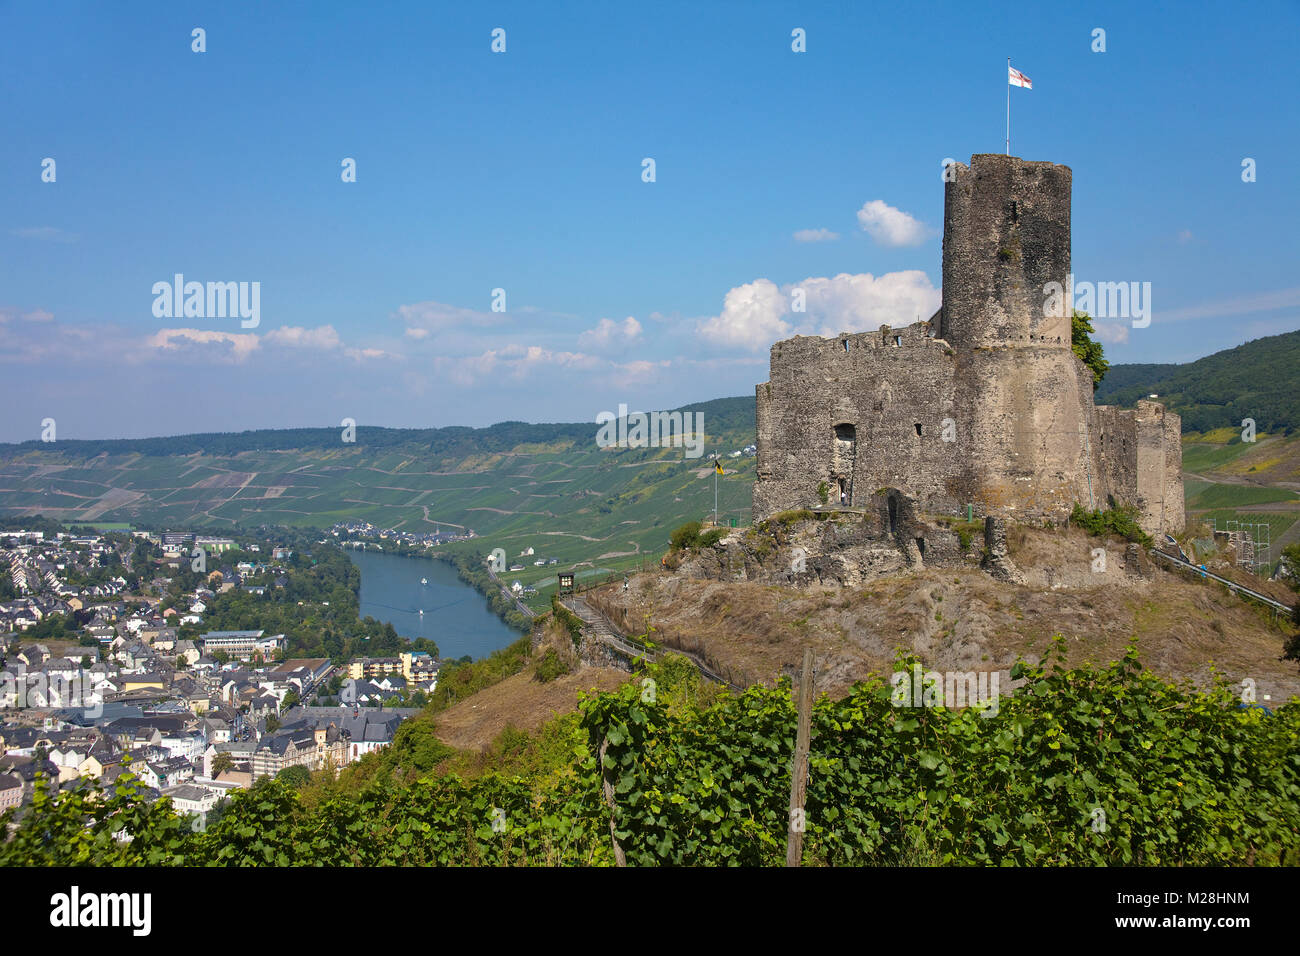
[
  {"x": 272, "y": 724},
  {"x": 296, "y": 776},
  {"x": 221, "y": 763},
  {"x": 1088, "y": 350}
]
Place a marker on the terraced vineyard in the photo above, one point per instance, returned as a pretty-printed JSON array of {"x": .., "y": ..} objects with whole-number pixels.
[{"x": 561, "y": 495}]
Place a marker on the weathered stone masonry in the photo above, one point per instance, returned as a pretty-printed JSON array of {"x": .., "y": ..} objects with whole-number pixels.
[{"x": 866, "y": 411}]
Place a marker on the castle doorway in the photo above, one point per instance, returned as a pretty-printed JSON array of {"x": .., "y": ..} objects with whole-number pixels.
[
  {"x": 844, "y": 450},
  {"x": 893, "y": 514}
]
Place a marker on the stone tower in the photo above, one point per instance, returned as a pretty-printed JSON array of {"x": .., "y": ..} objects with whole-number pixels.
[
  {"x": 1006, "y": 235},
  {"x": 986, "y": 405}
]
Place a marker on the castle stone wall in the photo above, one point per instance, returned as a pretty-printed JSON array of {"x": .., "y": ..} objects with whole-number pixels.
[
  {"x": 857, "y": 412},
  {"x": 1140, "y": 458}
]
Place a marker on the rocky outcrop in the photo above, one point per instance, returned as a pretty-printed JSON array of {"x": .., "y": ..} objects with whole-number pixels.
[{"x": 838, "y": 548}]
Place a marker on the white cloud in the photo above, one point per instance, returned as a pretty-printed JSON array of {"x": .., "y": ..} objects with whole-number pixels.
[
  {"x": 641, "y": 371},
  {"x": 438, "y": 316},
  {"x": 295, "y": 336},
  {"x": 513, "y": 361},
  {"x": 1111, "y": 333},
  {"x": 361, "y": 355},
  {"x": 890, "y": 226},
  {"x": 751, "y": 316},
  {"x": 228, "y": 346},
  {"x": 522, "y": 359},
  {"x": 815, "y": 235},
  {"x": 759, "y": 313},
  {"x": 608, "y": 333},
  {"x": 864, "y": 302}
]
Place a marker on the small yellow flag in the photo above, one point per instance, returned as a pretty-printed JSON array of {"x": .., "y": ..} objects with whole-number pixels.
[{"x": 717, "y": 466}]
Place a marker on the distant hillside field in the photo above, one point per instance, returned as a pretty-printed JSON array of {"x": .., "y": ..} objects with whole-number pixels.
[
  {"x": 1258, "y": 380},
  {"x": 516, "y": 485}
]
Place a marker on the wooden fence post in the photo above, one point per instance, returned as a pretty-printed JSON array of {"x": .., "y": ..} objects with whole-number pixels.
[
  {"x": 799, "y": 773},
  {"x": 620, "y": 858}
]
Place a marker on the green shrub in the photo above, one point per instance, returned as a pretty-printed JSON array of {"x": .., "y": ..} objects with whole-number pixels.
[
  {"x": 711, "y": 537},
  {"x": 690, "y": 537},
  {"x": 1180, "y": 777},
  {"x": 793, "y": 517},
  {"x": 1121, "y": 521},
  {"x": 550, "y": 667},
  {"x": 686, "y": 537},
  {"x": 1019, "y": 786},
  {"x": 572, "y": 623}
]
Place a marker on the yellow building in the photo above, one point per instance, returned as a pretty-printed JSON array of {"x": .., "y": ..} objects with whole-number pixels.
[
  {"x": 362, "y": 667},
  {"x": 417, "y": 666},
  {"x": 142, "y": 682}
]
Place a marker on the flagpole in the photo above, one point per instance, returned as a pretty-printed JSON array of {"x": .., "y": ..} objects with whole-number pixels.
[{"x": 1008, "y": 106}]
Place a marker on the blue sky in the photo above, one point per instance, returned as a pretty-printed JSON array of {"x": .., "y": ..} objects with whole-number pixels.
[{"x": 522, "y": 171}]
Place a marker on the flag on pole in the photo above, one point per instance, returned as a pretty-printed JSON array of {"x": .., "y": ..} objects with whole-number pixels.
[
  {"x": 717, "y": 467},
  {"x": 1016, "y": 78}
]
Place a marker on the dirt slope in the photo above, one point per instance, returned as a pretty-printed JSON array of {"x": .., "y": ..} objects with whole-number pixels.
[{"x": 520, "y": 700}]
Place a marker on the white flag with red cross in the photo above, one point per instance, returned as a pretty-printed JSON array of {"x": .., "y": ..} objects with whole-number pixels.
[{"x": 1016, "y": 78}]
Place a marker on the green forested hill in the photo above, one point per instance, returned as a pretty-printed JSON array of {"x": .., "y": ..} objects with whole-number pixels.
[
  {"x": 722, "y": 416},
  {"x": 1259, "y": 380}
]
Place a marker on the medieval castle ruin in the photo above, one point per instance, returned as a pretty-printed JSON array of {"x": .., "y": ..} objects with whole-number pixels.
[{"x": 984, "y": 407}]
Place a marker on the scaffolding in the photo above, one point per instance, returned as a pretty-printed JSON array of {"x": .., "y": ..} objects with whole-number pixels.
[{"x": 1253, "y": 542}]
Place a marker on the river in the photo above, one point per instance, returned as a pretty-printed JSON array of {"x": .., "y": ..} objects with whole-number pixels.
[{"x": 455, "y": 615}]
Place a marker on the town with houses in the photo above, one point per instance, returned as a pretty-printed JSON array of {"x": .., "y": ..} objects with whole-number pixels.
[
  {"x": 363, "y": 534},
  {"x": 122, "y": 690}
]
